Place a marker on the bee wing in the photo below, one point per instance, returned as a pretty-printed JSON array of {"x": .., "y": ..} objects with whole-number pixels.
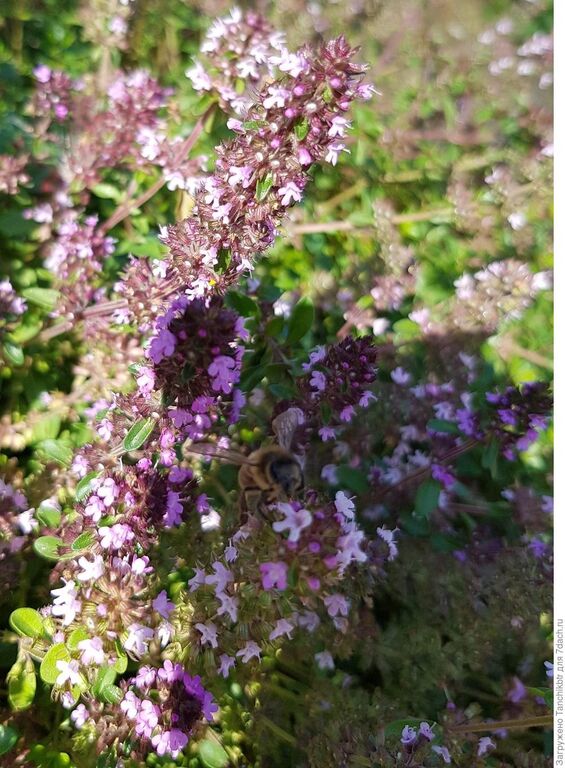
[
  {"x": 285, "y": 424},
  {"x": 214, "y": 452}
]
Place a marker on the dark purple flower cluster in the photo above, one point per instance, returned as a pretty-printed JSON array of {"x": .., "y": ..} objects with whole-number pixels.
[
  {"x": 197, "y": 362},
  {"x": 167, "y": 704},
  {"x": 515, "y": 419},
  {"x": 337, "y": 379}
]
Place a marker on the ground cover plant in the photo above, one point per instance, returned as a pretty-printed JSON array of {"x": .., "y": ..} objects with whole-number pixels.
[{"x": 275, "y": 365}]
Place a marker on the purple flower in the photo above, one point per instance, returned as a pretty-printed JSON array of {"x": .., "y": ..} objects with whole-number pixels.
[
  {"x": 443, "y": 476},
  {"x": 226, "y": 663},
  {"x": 295, "y": 521},
  {"x": 548, "y": 668},
  {"x": 444, "y": 753},
  {"x": 337, "y": 605},
  {"x": 538, "y": 548},
  {"x": 173, "y": 515},
  {"x": 426, "y": 731},
  {"x": 324, "y": 660},
  {"x": 400, "y": 376},
  {"x": 163, "y": 345},
  {"x": 409, "y": 735},
  {"x": 138, "y": 638},
  {"x": 485, "y": 743},
  {"x": 273, "y": 575},
  {"x": 221, "y": 577},
  {"x": 249, "y": 651},
  {"x": 79, "y": 716},
  {"x": 318, "y": 381},
  {"x": 224, "y": 374},
  {"x": 282, "y": 627},
  {"x": 163, "y": 605},
  {"x": 517, "y": 692},
  {"x": 209, "y": 634},
  {"x": 169, "y": 742}
]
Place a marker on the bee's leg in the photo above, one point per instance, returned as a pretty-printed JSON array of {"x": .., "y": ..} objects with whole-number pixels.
[{"x": 249, "y": 502}]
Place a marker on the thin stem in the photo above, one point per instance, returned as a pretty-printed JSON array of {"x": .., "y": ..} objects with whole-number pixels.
[
  {"x": 449, "y": 456},
  {"x": 278, "y": 731},
  {"x": 321, "y": 227},
  {"x": 541, "y": 721},
  {"x": 507, "y": 348}
]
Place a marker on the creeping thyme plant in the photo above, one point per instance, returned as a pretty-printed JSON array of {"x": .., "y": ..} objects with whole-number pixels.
[{"x": 213, "y": 228}]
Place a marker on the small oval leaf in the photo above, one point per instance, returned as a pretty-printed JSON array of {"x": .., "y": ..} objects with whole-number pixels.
[
  {"x": 48, "y": 670},
  {"x": 48, "y": 516},
  {"x": 48, "y": 547},
  {"x": 83, "y": 541},
  {"x": 46, "y": 298},
  {"x": 14, "y": 353},
  {"x": 300, "y": 321},
  {"x": 263, "y": 187},
  {"x": 8, "y": 737},
  {"x": 22, "y": 684},
  {"x": 138, "y": 434},
  {"x": 86, "y": 485},
  {"x": 27, "y": 622},
  {"x": 55, "y": 450},
  {"x": 427, "y": 499},
  {"x": 212, "y": 754}
]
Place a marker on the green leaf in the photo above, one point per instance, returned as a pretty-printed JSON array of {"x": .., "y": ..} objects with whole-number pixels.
[
  {"x": 112, "y": 694},
  {"x": 48, "y": 516},
  {"x": 489, "y": 458},
  {"x": 47, "y": 547},
  {"x": 212, "y": 754},
  {"x": 138, "y": 434},
  {"x": 105, "y": 678},
  {"x": 301, "y": 129},
  {"x": 85, "y": 485},
  {"x": 28, "y": 328},
  {"x": 353, "y": 479},
  {"x": 263, "y": 187},
  {"x": 442, "y": 425},
  {"x": 121, "y": 659},
  {"x": 48, "y": 670},
  {"x": 55, "y": 450},
  {"x": 427, "y": 499},
  {"x": 275, "y": 326},
  {"x": 77, "y": 636},
  {"x": 83, "y": 541},
  {"x": 8, "y": 737},
  {"x": 46, "y": 298},
  {"x": 46, "y": 428},
  {"x": 242, "y": 304},
  {"x": 406, "y": 329},
  {"x": 300, "y": 321},
  {"x": 14, "y": 353},
  {"x": 108, "y": 192},
  {"x": 27, "y": 622},
  {"x": 253, "y": 125},
  {"x": 22, "y": 684}
]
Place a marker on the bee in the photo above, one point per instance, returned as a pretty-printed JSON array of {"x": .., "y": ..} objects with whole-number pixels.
[{"x": 269, "y": 474}]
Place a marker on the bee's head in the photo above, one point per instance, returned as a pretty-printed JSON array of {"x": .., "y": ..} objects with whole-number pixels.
[{"x": 288, "y": 474}]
